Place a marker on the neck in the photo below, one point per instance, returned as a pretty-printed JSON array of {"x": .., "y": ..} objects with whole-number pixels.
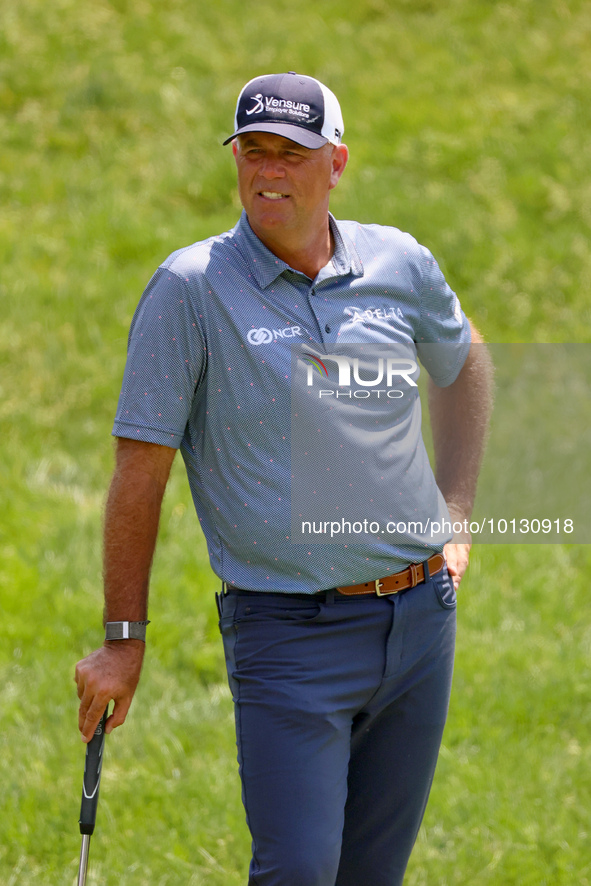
[{"x": 308, "y": 255}]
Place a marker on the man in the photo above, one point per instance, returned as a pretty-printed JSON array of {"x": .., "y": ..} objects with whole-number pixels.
[{"x": 339, "y": 656}]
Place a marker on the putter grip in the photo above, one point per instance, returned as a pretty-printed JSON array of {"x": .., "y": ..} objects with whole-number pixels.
[{"x": 92, "y": 777}]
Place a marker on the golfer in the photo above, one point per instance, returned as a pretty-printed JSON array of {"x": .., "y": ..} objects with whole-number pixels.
[{"x": 339, "y": 654}]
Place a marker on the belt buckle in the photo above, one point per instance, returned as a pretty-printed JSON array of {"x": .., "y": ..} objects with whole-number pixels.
[{"x": 378, "y": 584}]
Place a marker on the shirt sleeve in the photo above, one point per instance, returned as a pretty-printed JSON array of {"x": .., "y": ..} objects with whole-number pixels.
[
  {"x": 443, "y": 336},
  {"x": 165, "y": 363}
]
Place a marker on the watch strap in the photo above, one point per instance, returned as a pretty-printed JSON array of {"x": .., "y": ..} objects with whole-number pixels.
[{"x": 126, "y": 630}]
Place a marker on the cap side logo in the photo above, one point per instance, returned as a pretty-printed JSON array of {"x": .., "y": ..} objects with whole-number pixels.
[{"x": 258, "y": 107}]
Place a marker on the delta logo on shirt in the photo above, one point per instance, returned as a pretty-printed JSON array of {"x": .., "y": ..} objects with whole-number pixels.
[{"x": 359, "y": 316}]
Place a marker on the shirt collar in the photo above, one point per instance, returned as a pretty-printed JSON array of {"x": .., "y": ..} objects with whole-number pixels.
[{"x": 266, "y": 267}]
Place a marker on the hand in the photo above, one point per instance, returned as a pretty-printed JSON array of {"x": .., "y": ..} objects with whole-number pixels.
[
  {"x": 111, "y": 672},
  {"x": 457, "y": 551},
  {"x": 457, "y": 556}
]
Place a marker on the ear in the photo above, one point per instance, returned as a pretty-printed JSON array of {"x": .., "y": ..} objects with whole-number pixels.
[
  {"x": 235, "y": 146},
  {"x": 340, "y": 156}
]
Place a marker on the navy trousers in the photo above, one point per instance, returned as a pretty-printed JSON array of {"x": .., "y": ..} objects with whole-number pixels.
[{"x": 340, "y": 706}]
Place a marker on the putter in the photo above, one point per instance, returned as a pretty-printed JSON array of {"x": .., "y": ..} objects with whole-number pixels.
[{"x": 90, "y": 791}]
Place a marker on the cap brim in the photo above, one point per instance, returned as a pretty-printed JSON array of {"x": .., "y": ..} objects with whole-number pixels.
[{"x": 294, "y": 133}]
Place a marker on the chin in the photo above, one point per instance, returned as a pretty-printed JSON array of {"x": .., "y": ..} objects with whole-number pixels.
[{"x": 269, "y": 220}]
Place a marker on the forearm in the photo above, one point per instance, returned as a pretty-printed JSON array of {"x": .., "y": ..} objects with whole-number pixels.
[
  {"x": 131, "y": 527},
  {"x": 460, "y": 415}
]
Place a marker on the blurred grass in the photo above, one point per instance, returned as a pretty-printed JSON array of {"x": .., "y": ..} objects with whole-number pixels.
[{"x": 468, "y": 125}]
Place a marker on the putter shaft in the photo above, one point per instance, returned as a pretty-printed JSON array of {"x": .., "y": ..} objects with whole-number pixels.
[{"x": 83, "y": 867}]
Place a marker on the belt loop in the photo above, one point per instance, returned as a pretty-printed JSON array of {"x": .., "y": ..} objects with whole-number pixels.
[
  {"x": 414, "y": 575},
  {"x": 427, "y": 573}
]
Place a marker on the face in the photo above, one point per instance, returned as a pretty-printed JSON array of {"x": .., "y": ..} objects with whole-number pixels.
[{"x": 283, "y": 186}]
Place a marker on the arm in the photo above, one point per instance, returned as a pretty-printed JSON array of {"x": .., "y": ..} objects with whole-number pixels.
[
  {"x": 459, "y": 420},
  {"x": 131, "y": 527}
]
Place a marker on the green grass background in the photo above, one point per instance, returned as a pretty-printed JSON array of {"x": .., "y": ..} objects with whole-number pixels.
[{"x": 468, "y": 124}]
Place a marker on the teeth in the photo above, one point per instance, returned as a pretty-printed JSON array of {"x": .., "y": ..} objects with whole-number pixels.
[{"x": 273, "y": 195}]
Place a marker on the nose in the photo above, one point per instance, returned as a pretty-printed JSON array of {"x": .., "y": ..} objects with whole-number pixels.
[{"x": 271, "y": 167}]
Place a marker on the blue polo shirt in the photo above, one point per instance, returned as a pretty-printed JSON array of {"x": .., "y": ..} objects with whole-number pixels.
[{"x": 209, "y": 371}]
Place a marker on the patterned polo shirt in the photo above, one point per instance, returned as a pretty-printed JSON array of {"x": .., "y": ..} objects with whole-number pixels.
[{"x": 209, "y": 370}]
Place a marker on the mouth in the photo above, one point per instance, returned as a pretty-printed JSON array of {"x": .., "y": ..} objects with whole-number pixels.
[{"x": 273, "y": 195}]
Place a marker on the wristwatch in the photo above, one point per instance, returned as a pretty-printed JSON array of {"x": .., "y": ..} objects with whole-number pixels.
[{"x": 126, "y": 630}]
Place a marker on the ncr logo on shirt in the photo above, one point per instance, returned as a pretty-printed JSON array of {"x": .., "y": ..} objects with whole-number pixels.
[{"x": 264, "y": 336}]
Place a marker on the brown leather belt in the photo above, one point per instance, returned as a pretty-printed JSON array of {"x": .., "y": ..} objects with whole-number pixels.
[{"x": 400, "y": 581}]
